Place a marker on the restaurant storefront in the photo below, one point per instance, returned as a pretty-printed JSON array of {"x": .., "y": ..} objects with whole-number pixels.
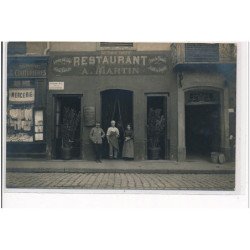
[{"x": 102, "y": 86}]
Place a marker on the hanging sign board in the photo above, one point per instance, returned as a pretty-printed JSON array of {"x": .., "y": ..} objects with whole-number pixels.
[
  {"x": 22, "y": 95},
  {"x": 89, "y": 116},
  {"x": 56, "y": 85}
]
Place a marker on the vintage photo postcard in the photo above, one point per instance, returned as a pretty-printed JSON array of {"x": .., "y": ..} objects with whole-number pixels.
[{"x": 120, "y": 116}]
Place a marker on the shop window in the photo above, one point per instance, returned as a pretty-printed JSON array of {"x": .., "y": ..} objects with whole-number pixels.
[
  {"x": 24, "y": 121},
  {"x": 39, "y": 124},
  {"x": 20, "y": 123},
  {"x": 25, "y": 113}
]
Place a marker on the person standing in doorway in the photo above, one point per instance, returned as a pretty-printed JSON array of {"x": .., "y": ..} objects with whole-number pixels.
[
  {"x": 128, "y": 146},
  {"x": 96, "y": 135},
  {"x": 112, "y": 137}
]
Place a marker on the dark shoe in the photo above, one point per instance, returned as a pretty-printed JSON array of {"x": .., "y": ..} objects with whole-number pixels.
[{"x": 100, "y": 161}]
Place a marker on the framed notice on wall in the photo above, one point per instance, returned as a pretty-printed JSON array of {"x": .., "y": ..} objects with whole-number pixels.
[
  {"x": 89, "y": 116},
  {"x": 56, "y": 85}
]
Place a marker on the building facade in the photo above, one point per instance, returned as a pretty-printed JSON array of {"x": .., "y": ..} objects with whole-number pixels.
[{"x": 191, "y": 86}]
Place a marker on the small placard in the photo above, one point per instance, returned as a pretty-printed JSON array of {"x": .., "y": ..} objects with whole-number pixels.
[{"x": 56, "y": 85}]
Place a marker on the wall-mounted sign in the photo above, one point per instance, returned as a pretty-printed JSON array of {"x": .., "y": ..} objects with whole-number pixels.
[
  {"x": 56, "y": 85},
  {"x": 22, "y": 95},
  {"x": 23, "y": 70},
  {"x": 89, "y": 116},
  {"x": 202, "y": 97},
  {"x": 112, "y": 63}
]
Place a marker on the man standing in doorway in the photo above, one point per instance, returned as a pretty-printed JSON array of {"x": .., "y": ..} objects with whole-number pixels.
[
  {"x": 112, "y": 136},
  {"x": 96, "y": 136}
]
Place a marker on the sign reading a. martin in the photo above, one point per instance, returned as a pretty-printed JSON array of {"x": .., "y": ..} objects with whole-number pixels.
[{"x": 97, "y": 63}]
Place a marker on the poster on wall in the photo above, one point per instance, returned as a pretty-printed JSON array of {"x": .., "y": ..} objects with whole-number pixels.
[{"x": 89, "y": 116}]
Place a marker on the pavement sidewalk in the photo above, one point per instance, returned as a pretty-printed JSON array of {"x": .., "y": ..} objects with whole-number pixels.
[{"x": 118, "y": 166}]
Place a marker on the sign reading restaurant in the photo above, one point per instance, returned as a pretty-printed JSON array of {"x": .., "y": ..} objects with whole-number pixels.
[{"x": 126, "y": 63}]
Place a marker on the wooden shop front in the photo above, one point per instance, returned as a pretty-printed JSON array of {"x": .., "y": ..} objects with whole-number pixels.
[
  {"x": 106, "y": 85},
  {"x": 26, "y": 106}
]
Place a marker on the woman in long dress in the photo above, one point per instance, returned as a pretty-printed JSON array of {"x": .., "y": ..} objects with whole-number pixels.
[{"x": 128, "y": 146}]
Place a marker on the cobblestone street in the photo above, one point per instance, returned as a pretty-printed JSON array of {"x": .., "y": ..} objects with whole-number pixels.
[{"x": 138, "y": 181}]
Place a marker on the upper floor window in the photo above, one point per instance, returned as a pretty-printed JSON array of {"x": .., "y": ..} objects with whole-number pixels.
[{"x": 115, "y": 46}]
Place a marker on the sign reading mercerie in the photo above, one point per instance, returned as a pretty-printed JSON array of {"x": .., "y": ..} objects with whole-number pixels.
[
  {"x": 130, "y": 63},
  {"x": 56, "y": 85},
  {"x": 25, "y": 95}
]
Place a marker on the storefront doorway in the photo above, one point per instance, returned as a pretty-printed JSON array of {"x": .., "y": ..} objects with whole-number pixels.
[
  {"x": 157, "y": 142},
  {"x": 117, "y": 105},
  {"x": 202, "y": 120},
  {"x": 65, "y": 106}
]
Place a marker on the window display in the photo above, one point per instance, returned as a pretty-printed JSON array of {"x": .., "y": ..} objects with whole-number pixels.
[
  {"x": 20, "y": 123},
  {"x": 38, "y": 125}
]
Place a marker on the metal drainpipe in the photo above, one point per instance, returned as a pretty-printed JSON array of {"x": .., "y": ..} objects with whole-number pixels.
[{"x": 47, "y": 48}]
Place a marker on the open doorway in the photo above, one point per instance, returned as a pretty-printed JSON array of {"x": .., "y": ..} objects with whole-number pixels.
[
  {"x": 117, "y": 105},
  {"x": 202, "y": 130},
  {"x": 62, "y": 103},
  {"x": 157, "y": 146}
]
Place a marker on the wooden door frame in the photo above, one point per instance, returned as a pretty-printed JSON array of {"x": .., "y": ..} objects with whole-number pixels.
[
  {"x": 55, "y": 97},
  {"x": 167, "y": 137}
]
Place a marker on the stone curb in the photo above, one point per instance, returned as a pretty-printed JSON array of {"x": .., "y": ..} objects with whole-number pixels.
[{"x": 142, "y": 171}]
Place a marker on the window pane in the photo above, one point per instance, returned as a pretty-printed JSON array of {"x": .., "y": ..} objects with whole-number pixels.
[
  {"x": 20, "y": 124},
  {"x": 39, "y": 137},
  {"x": 39, "y": 118}
]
